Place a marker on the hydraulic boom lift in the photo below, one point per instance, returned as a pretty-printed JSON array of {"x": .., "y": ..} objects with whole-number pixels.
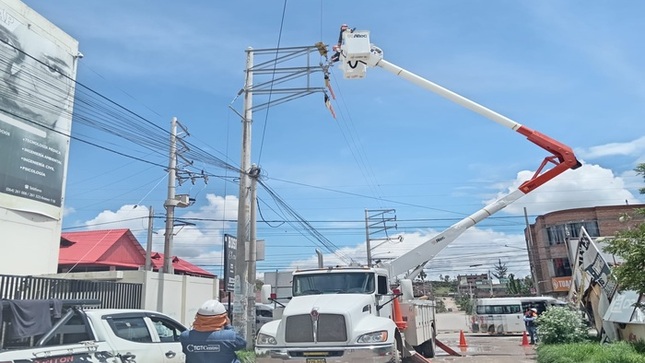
[{"x": 342, "y": 314}]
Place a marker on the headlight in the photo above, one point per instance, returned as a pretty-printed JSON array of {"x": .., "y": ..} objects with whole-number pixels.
[
  {"x": 264, "y": 339},
  {"x": 375, "y": 337}
]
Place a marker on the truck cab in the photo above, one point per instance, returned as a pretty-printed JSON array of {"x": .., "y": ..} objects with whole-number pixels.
[{"x": 331, "y": 309}]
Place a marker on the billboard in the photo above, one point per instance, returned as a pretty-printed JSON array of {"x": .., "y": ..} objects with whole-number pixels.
[
  {"x": 38, "y": 63},
  {"x": 230, "y": 253},
  {"x": 38, "y": 71}
]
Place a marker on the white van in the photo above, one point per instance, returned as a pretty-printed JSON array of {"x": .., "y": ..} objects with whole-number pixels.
[{"x": 505, "y": 315}]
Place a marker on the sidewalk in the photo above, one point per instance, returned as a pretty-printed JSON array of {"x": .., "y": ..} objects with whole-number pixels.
[{"x": 484, "y": 348}]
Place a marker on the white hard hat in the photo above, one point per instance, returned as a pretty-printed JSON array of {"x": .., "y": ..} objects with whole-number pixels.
[
  {"x": 534, "y": 309},
  {"x": 211, "y": 307}
]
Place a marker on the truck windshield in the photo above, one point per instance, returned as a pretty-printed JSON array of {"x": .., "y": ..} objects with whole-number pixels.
[{"x": 333, "y": 283}]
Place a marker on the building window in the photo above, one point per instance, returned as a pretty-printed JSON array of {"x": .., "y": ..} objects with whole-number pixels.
[
  {"x": 591, "y": 227},
  {"x": 559, "y": 233},
  {"x": 561, "y": 267}
]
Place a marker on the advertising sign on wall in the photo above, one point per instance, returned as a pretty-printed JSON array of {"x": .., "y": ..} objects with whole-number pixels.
[{"x": 37, "y": 71}]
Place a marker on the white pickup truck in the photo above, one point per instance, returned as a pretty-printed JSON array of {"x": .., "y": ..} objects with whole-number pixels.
[{"x": 79, "y": 334}]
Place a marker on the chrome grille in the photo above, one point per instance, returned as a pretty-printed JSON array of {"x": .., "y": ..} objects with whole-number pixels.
[{"x": 331, "y": 328}]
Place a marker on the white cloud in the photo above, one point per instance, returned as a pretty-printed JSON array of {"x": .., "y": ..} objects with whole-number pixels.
[
  {"x": 129, "y": 216},
  {"x": 200, "y": 244},
  {"x": 634, "y": 148},
  {"x": 588, "y": 186},
  {"x": 476, "y": 246}
]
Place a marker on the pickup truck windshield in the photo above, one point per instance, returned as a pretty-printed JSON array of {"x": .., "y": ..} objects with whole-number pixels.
[{"x": 333, "y": 283}]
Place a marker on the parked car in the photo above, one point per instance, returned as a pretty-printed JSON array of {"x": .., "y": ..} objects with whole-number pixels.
[
  {"x": 87, "y": 335},
  {"x": 263, "y": 315}
]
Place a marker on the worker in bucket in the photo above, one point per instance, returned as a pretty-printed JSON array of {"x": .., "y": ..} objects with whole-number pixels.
[
  {"x": 212, "y": 338},
  {"x": 531, "y": 324}
]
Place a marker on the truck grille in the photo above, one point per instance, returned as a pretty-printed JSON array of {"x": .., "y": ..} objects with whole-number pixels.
[{"x": 331, "y": 328}]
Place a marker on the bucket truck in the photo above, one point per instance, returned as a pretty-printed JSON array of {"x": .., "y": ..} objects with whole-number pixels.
[{"x": 345, "y": 314}]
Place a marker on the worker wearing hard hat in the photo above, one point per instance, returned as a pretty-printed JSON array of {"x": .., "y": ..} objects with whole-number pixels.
[
  {"x": 531, "y": 324},
  {"x": 212, "y": 338}
]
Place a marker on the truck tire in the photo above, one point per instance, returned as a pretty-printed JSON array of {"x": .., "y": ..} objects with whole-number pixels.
[
  {"x": 426, "y": 349},
  {"x": 491, "y": 329}
]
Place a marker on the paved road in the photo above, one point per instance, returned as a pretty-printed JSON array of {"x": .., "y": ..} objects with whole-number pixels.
[{"x": 481, "y": 348}]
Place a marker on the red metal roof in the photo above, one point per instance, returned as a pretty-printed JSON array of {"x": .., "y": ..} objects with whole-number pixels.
[
  {"x": 179, "y": 265},
  {"x": 115, "y": 247}
]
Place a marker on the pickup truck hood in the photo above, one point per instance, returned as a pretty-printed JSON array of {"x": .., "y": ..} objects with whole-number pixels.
[{"x": 330, "y": 304}]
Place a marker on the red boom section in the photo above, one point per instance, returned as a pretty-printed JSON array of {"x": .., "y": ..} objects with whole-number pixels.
[{"x": 563, "y": 159}]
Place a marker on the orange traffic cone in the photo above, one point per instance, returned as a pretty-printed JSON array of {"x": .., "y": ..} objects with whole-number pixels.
[
  {"x": 462, "y": 340},
  {"x": 397, "y": 316},
  {"x": 525, "y": 339}
]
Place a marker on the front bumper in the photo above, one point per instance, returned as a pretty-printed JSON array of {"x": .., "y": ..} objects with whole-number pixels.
[{"x": 363, "y": 354}]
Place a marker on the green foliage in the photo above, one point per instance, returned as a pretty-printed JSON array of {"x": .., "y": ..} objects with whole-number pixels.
[
  {"x": 444, "y": 288},
  {"x": 640, "y": 170},
  {"x": 629, "y": 244},
  {"x": 465, "y": 304},
  {"x": 440, "y": 306},
  {"x": 620, "y": 352},
  {"x": 246, "y": 356},
  {"x": 518, "y": 286},
  {"x": 500, "y": 270},
  {"x": 561, "y": 325}
]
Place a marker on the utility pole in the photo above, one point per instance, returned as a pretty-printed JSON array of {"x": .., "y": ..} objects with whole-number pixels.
[
  {"x": 529, "y": 244},
  {"x": 148, "y": 265},
  {"x": 280, "y": 83},
  {"x": 241, "y": 291},
  {"x": 377, "y": 222},
  {"x": 171, "y": 202},
  {"x": 490, "y": 280},
  {"x": 254, "y": 174}
]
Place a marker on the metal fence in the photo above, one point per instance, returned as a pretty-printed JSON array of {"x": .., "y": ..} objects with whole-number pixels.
[{"x": 116, "y": 295}]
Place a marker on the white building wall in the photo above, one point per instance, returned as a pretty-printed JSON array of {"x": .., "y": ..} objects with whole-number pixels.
[{"x": 182, "y": 295}]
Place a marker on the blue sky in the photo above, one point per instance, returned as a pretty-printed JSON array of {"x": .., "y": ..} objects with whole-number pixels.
[{"x": 572, "y": 70}]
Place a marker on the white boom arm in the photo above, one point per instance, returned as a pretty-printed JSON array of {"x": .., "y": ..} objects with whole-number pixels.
[{"x": 355, "y": 53}]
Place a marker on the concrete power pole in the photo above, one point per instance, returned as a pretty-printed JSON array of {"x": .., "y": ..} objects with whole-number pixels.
[
  {"x": 376, "y": 221},
  {"x": 151, "y": 215},
  {"x": 172, "y": 202},
  {"x": 242, "y": 288},
  {"x": 252, "y": 257},
  {"x": 283, "y": 88},
  {"x": 169, "y": 204}
]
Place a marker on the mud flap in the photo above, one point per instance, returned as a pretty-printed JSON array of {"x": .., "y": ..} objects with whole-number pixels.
[
  {"x": 410, "y": 355},
  {"x": 446, "y": 348}
]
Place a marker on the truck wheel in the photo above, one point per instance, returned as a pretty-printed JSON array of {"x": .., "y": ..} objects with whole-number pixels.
[
  {"x": 491, "y": 329},
  {"x": 426, "y": 349}
]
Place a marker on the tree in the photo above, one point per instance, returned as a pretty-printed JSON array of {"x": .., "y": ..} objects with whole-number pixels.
[
  {"x": 500, "y": 270},
  {"x": 629, "y": 244},
  {"x": 517, "y": 286}
]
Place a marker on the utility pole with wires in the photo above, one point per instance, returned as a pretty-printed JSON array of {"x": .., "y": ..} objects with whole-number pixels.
[
  {"x": 269, "y": 72},
  {"x": 175, "y": 174},
  {"x": 377, "y": 221}
]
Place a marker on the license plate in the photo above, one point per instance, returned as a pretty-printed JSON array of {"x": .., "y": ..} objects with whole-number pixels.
[{"x": 316, "y": 360}]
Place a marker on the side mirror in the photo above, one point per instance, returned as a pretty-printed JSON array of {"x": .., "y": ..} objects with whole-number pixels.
[
  {"x": 406, "y": 289},
  {"x": 265, "y": 294}
]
